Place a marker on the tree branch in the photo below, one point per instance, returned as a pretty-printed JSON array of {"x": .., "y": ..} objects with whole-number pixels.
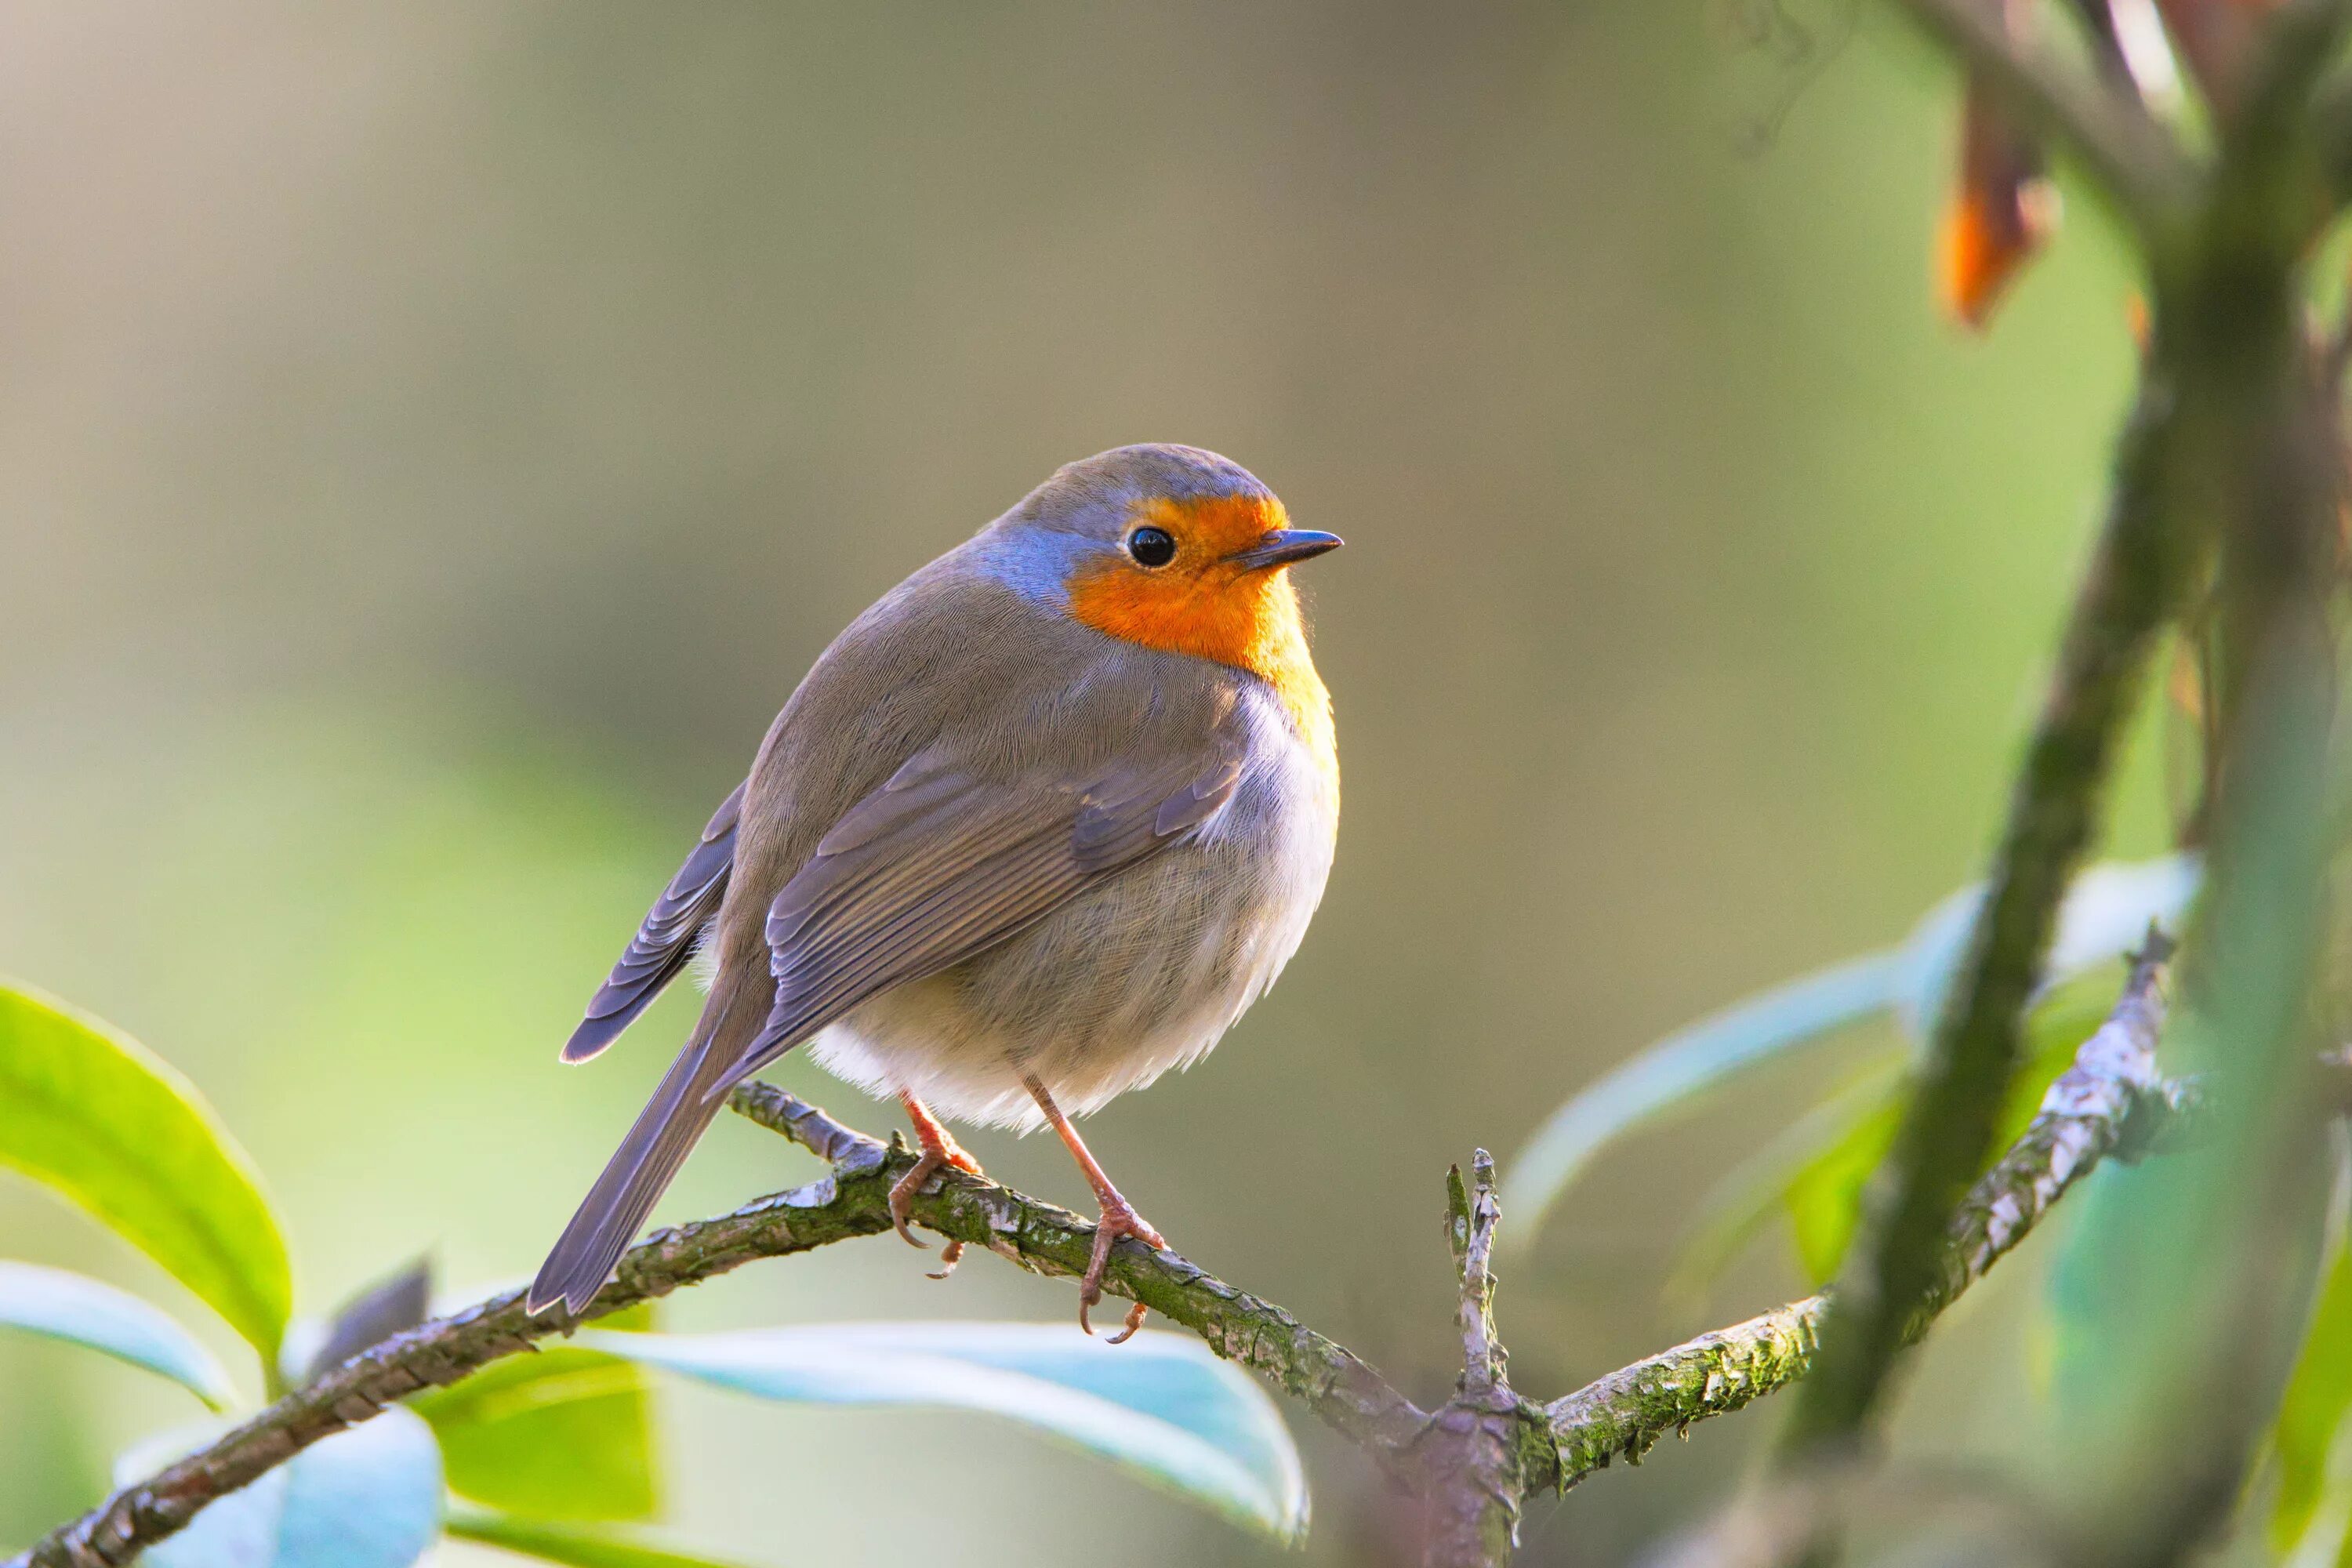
[
  {"x": 850, "y": 1200},
  {"x": 2132, "y": 159},
  {"x": 2139, "y": 570},
  {"x": 1475, "y": 1458},
  {"x": 2110, "y": 1100}
]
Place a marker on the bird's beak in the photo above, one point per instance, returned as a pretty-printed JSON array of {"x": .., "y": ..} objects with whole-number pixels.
[{"x": 1285, "y": 547}]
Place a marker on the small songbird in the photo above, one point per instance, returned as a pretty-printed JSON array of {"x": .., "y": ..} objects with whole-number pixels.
[{"x": 1037, "y": 828}]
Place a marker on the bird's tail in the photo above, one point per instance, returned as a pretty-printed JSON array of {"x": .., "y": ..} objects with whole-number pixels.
[{"x": 669, "y": 1127}]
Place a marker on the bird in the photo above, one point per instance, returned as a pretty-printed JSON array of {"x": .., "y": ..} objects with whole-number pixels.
[{"x": 1038, "y": 826}]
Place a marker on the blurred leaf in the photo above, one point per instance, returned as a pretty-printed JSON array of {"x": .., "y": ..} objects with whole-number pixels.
[
  {"x": 1674, "y": 1072},
  {"x": 564, "y": 1434},
  {"x": 2318, "y": 1396},
  {"x": 581, "y": 1545},
  {"x": 1755, "y": 1192},
  {"x": 2001, "y": 213},
  {"x": 2106, "y": 913},
  {"x": 85, "y": 1311},
  {"x": 393, "y": 1305},
  {"x": 1160, "y": 1406},
  {"x": 366, "y": 1497},
  {"x": 99, "y": 1118},
  {"x": 1824, "y": 1196}
]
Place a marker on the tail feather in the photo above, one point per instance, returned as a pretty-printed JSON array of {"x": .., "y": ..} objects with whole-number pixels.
[{"x": 616, "y": 1206}]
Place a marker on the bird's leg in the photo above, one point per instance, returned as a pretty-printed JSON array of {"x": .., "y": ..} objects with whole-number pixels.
[
  {"x": 940, "y": 1149},
  {"x": 1119, "y": 1216}
]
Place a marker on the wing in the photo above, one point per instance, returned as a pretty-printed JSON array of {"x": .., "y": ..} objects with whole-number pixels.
[
  {"x": 937, "y": 866},
  {"x": 665, "y": 939}
]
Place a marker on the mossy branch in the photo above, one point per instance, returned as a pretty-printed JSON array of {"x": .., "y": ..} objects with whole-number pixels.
[
  {"x": 2110, "y": 1099},
  {"x": 1477, "y": 1458}
]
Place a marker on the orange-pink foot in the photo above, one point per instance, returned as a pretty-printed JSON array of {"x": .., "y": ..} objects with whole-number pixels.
[
  {"x": 1119, "y": 1219},
  {"x": 940, "y": 1151}
]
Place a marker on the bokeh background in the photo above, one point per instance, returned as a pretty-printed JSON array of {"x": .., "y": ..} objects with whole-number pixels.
[{"x": 435, "y": 437}]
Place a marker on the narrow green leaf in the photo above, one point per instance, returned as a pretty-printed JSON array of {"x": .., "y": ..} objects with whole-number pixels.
[
  {"x": 2318, "y": 1397},
  {"x": 566, "y": 1434},
  {"x": 84, "y": 1311},
  {"x": 1755, "y": 1192},
  {"x": 563, "y": 1435},
  {"x": 1160, "y": 1406},
  {"x": 1824, "y": 1196},
  {"x": 367, "y": 1497},
  {"x": 581, "y": 1545},
  {"x": 1677, "y": 1070},
  {"x": 2106, "y": 911},
  {"x": 103, "y": 1120}
]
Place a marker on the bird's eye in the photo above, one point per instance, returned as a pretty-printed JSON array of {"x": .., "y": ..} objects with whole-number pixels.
[{"x": 1151, "y": 546}]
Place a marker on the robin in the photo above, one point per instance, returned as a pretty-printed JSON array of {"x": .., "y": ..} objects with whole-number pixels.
[{"x": 1036, "y": 828}]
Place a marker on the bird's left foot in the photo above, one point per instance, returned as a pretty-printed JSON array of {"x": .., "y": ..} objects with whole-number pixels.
[
  {"x": 940, "y": 1151},
  {"x": 1119, "y": 1219}
]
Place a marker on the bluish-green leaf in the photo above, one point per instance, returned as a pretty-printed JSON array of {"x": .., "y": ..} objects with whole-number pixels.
[
  {"x": 102, "y": 1119},
  {"x": 2107, "y": 911},
  {"x": 581, "y": 1545},
  {"x": 1159, "y": 1406},
  {"x": 1677, "y": 1070},
  {"x": 367, "y": 1497},
  {"x": 1814, "y": 1170},
  {"x": 84, "y": 1311}
]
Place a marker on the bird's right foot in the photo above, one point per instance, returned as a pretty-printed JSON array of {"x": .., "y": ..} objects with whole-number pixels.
[{"x": 940, "y": 1151}]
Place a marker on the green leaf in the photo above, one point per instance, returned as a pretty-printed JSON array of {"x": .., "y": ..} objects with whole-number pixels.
[
  {"x": 1160, "y": 1406},
  {"x": 564, "y": 1434},
  {"x": 2106, "y": 911},
  {"x": 1676, "y": 1070},
  {"x": 581, "y": 1545},
  {"x": 1755, "y": 1192},
  {"x": 2318, "y": 1397},
  {"x": 83, "y": 1312},
  {"x": 102, "y": 1119},
  {"x": 1824, "y": 1196},
  {"x": 366, "y": 1497}
]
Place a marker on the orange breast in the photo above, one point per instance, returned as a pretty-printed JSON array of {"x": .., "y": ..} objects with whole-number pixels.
[{"x": 1199, "y": 604}]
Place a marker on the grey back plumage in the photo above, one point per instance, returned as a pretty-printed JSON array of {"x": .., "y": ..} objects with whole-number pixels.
[{"x": 959, "y": 762}]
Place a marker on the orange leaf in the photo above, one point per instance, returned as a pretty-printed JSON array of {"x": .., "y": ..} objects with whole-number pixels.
[{"x": 2003, "y": 211}]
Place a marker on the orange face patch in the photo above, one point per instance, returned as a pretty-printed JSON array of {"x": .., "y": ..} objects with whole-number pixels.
[{"x": 1202, "y": 604}]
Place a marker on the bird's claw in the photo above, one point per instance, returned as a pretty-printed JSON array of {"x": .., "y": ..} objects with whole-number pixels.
[
  {"x": 929, "y": 1164},
  {"x": 1119, "y": 1219}
]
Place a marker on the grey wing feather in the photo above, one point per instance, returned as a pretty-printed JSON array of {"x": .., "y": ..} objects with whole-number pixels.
[
  {"x": 664, "y": 942},
  {"x": 936, "y": 867}
]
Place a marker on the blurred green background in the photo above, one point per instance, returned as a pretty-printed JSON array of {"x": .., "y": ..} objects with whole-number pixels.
[{"x": 434, "y": 438}]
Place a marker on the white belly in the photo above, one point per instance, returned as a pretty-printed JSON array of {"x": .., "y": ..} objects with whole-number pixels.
[{"x": 1127, "y": 980}]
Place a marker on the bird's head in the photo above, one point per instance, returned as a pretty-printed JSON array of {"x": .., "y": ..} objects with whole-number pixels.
[{"x": 1170, "y": 547}]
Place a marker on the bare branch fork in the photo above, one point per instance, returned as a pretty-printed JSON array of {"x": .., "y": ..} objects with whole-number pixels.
[{"x": 1476, "y": 1460}]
